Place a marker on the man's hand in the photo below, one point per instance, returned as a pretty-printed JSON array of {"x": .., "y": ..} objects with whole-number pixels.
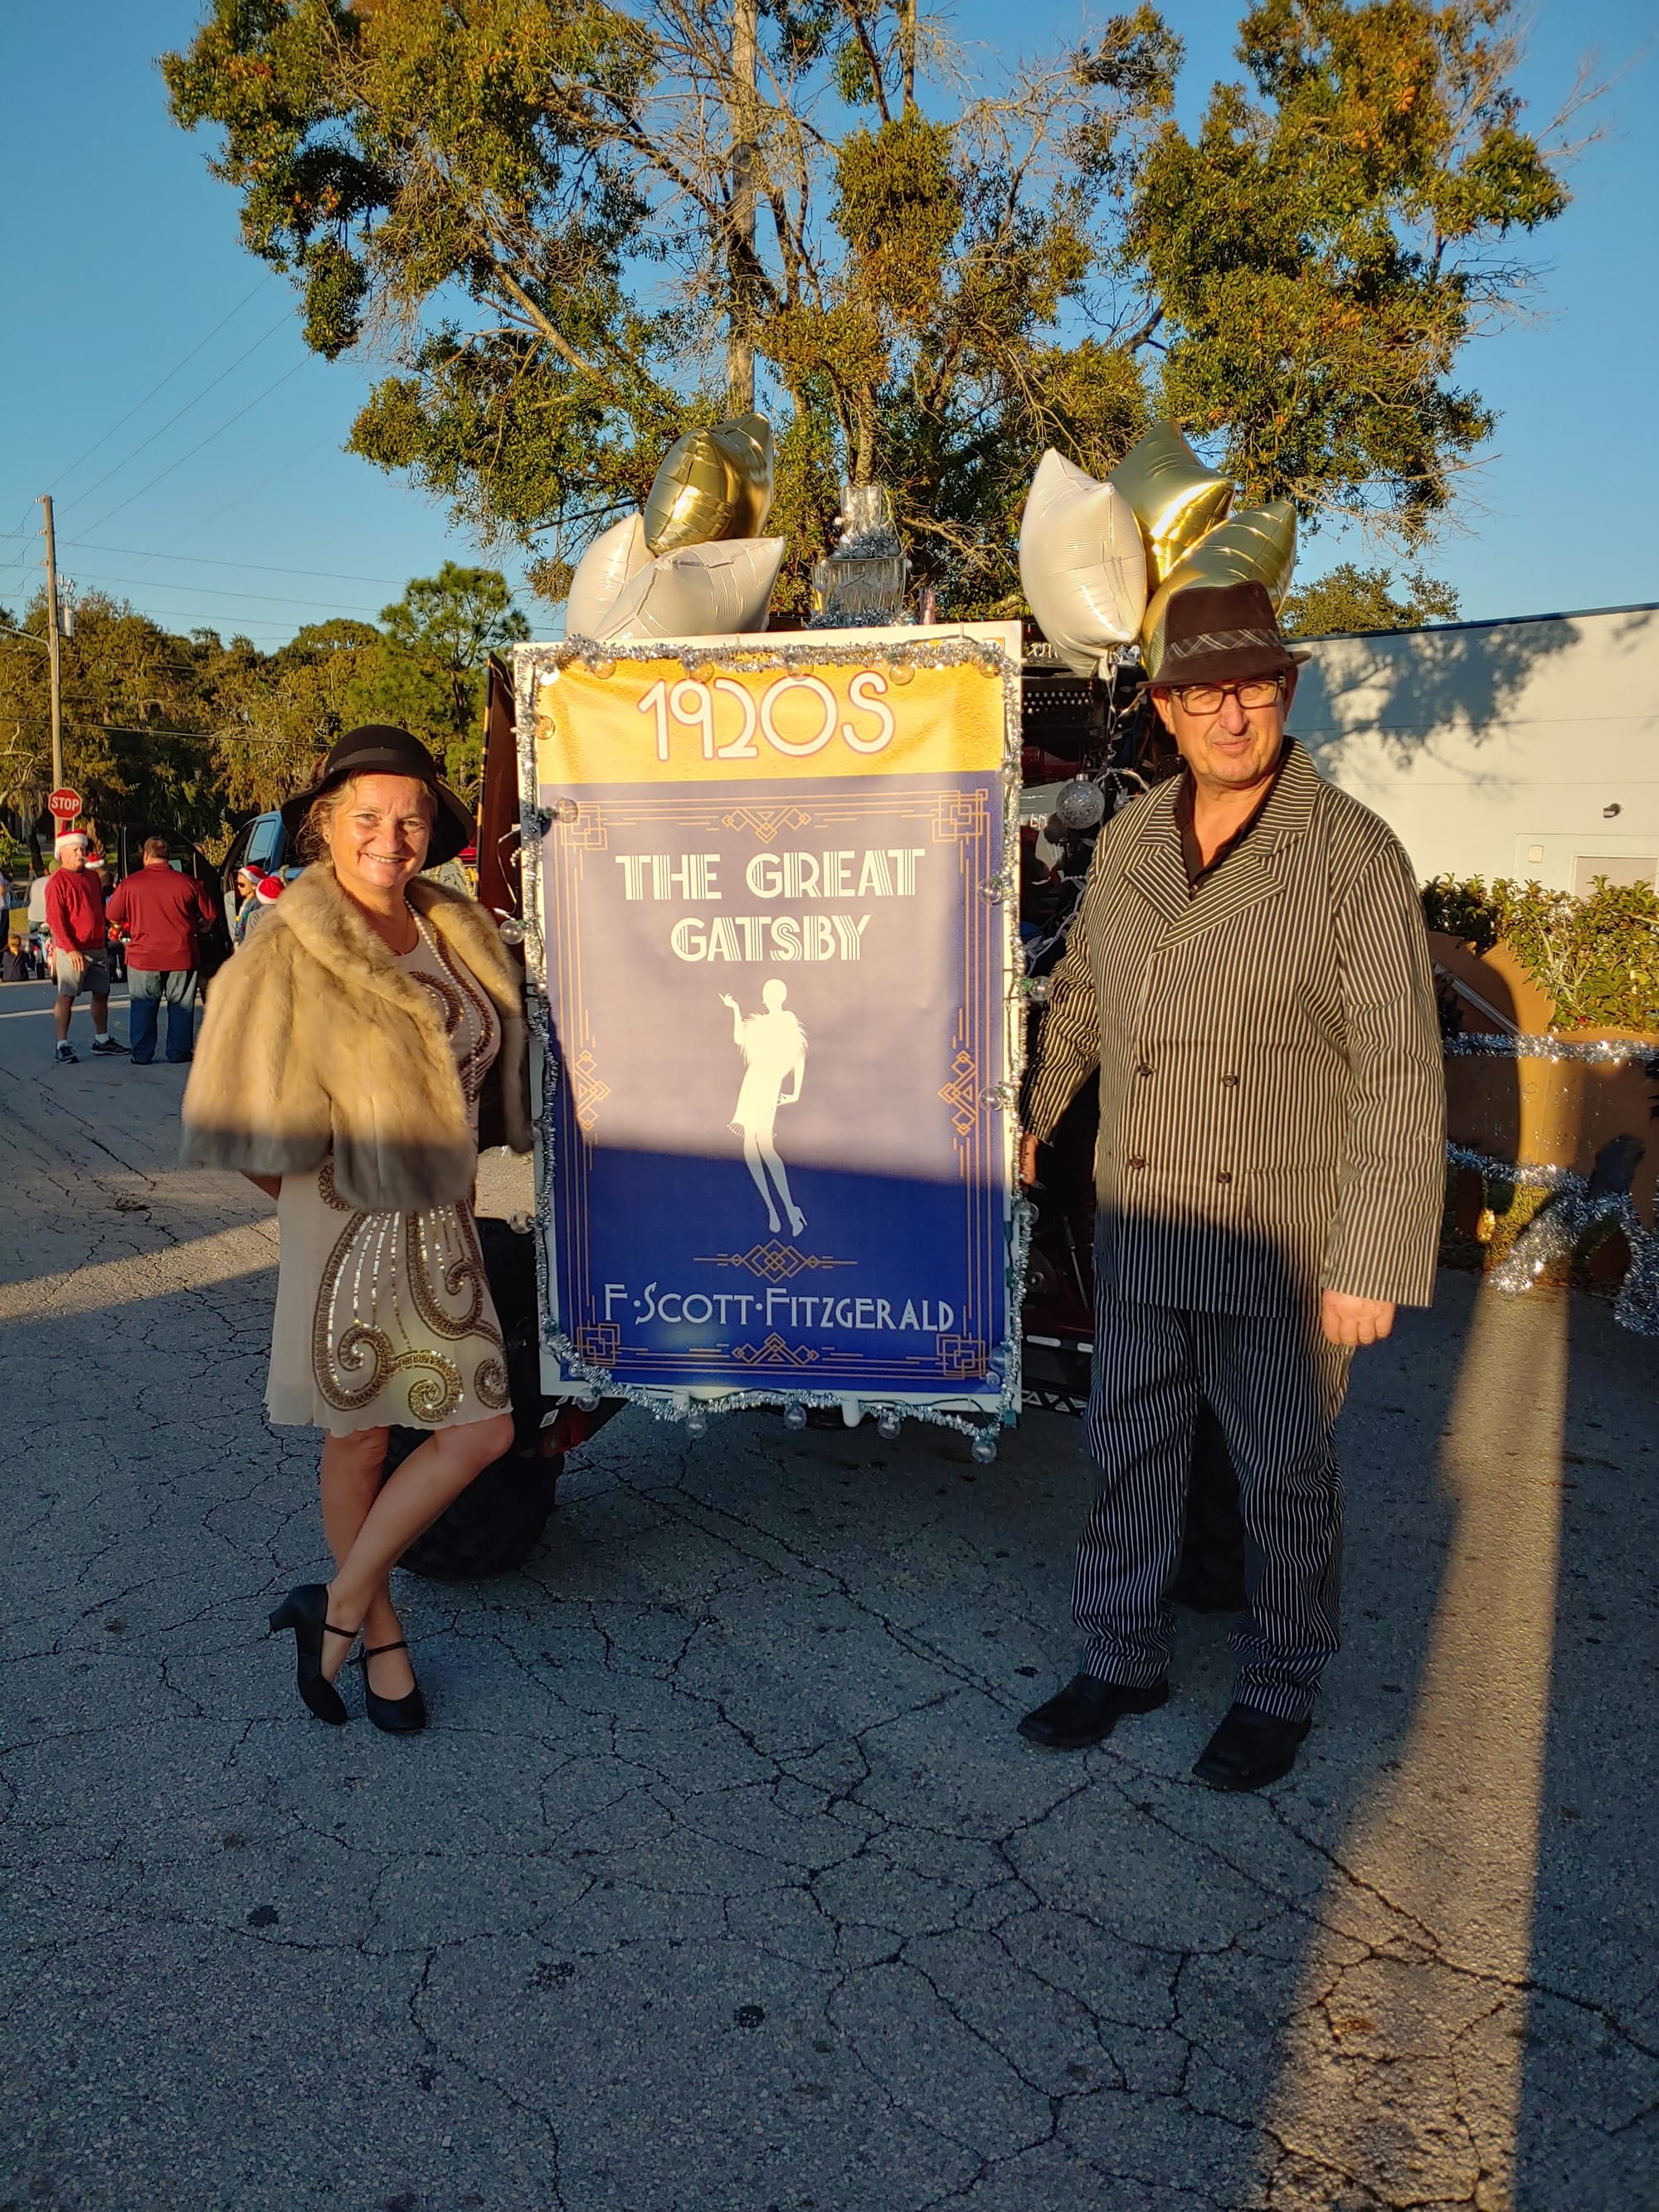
[
  {"x": 1352, "y": 1320},
  {"x": 1028, "y": 1162}
]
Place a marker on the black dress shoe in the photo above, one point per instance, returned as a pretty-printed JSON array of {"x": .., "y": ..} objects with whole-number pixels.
[
  {"x": 1250, "y": 1749},
  {"x": 396, "y": 1716},
  {"x": 305, "y": 1610},
  {"x": 1087, "y": 1711}
]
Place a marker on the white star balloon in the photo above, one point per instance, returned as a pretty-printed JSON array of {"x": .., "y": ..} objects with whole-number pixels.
[{"x": 1083, "y": 562}]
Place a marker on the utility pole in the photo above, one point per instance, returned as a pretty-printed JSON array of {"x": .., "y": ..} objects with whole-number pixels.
[
  {"x": 740, "y": 256},
  {"x": 55, "y": 648}
]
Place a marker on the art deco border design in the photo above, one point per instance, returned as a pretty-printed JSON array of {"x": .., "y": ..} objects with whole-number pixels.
[{"x": 962, "y": 818}]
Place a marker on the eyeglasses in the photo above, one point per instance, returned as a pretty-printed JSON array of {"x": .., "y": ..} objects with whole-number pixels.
[{"x": 1253, "y": 691}]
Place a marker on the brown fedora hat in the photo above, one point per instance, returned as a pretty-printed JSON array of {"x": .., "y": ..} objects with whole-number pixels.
[{"x": 1220, "y": 633}]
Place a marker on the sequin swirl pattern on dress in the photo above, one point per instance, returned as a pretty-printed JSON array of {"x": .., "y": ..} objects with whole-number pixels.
[{"x": 397, "y": 1310}]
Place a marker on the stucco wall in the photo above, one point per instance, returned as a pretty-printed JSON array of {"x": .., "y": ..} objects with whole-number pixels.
[{"x": 1493, "y": 748}]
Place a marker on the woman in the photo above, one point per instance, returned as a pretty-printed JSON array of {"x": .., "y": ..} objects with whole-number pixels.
[
  {"x": 774, "y": 1048},
  {"x": 344, "y": 1059},
  {"x": 248, "y": 882}
]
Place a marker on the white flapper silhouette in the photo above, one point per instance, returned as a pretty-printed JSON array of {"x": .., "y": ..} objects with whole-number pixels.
[{"x": 773, "y": 1046}]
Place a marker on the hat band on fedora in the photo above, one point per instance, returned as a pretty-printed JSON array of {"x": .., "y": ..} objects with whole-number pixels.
[{"x": 1210, "y": 642}]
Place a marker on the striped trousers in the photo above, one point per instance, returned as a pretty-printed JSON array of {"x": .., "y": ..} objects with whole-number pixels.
[{"x": 1276, "y": 1387}]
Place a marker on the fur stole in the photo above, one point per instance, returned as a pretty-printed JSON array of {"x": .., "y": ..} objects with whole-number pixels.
[{"x": 315, "y": 1043}]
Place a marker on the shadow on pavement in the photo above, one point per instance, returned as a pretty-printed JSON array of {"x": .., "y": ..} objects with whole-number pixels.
[{"x": 721, "y": 1878}]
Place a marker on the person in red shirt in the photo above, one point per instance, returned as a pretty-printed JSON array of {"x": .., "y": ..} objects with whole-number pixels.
[
  {"x": 79, "y": 946},
  {"x": 163, "y": 913}
]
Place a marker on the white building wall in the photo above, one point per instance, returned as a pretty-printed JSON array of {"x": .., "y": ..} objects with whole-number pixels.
[{"x": 1497, "y": 749}]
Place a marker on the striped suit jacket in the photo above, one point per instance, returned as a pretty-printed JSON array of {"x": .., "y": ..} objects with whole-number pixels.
[{"x": 1272, "y": 1088}]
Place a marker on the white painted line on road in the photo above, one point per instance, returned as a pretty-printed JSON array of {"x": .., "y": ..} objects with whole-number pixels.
[{"x": 142, "y": 1276}]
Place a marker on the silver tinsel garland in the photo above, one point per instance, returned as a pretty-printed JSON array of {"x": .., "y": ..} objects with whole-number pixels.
[
  {"x": 1572, "y": 1211},
  {"x": 927, "y": 648},
  {"x": 1601, "y": 1052},
  {"x": 930, "y": 648},
  {"x": 1556, "y": 1231}
]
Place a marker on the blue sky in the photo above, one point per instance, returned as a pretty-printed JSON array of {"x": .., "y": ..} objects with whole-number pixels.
[{"x": 120, "y": 255}]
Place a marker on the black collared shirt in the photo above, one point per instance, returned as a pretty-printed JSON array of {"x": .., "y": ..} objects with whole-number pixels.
[{"x": 1198, "y": 868}]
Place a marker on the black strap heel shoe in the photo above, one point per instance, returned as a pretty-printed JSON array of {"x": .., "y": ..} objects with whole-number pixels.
[
  {"x": 396, "y": 1716},
  {"x": 305, "y": 1610}
]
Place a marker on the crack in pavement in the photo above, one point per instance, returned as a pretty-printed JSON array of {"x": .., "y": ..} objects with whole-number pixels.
[{"x": 719, "y": 1879}]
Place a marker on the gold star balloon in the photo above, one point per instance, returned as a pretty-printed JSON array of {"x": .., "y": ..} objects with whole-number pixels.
[
  {"x": 746, "y": 443},
  {"x": 1174, "y": 497},
  {"x": 690, "y": 499},
  {"x": 1254, "y": 545},
  {"x": 711, "y": 484}
]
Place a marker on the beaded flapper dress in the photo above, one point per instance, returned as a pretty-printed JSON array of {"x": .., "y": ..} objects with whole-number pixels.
[{"x": 387, "y": 1318}]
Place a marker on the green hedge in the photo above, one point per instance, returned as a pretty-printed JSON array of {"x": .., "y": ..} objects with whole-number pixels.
[{"x": 1597, "y": 958}]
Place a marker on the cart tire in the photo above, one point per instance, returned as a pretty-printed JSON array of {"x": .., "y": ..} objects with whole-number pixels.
[
  {"x": 498, "y": 1520},
  {"x": 494, "y": 1524}
]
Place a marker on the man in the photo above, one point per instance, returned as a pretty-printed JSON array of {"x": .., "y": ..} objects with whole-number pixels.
[
  {"x": 1249, "y": 971},
  {"x": 99, "y": 866},
  {"x": 79, "y": 946},
  {"x": 162, "y": 912}
]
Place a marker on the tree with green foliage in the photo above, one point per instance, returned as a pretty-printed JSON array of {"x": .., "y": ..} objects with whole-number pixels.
[
  {"x": 182, "y": 733},
  {"x": 1595, "y": 958},
  {"x": 135, "y": 744},
  {"x": 571, "y": 226},
  {"x": 25, "y": 734},
  {"x": 274, "y": 715},
  {"x": 1322, "y": 251},
  {"x": 1349, "y": 598},
  {"x": 430, "y": 678}
]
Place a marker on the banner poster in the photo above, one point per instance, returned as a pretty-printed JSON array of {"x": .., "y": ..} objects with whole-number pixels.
[{"x": 773, "y": 892}]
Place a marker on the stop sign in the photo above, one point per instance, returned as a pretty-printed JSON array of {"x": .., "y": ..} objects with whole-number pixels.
[{"x": 65, "y": 804}]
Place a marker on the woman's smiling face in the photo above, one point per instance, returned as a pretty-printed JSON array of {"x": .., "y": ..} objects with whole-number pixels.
[{"x": 378, "y": 835}]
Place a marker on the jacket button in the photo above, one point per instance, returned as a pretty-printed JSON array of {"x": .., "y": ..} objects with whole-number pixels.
[
  {"x": 1230, "y": 1082},
  {"x": 1225, "y": 1175},
  {"x": 1143, "y": 1069},
  {"x": 1135, "y": 1163}
]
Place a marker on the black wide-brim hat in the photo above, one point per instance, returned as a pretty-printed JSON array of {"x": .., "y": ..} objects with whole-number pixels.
[
  {"x": 381, "y": 748},
  {"x": 1220, "y": 633}
]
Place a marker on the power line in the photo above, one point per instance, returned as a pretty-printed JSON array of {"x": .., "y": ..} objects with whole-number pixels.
[
  {"x": 205, "y": 591},
  {"x": 20, "y": 561},
  {"x": 166, "y": 380},
  {"x": 184, "y": 410},
  {"x": 201, "y": 445},
  {"x": 209, "y": 561},
  {"x": 245, "y": 494}
]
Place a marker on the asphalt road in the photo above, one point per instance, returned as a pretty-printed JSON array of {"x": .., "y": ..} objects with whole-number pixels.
[{"x": 720, "y": 1882}]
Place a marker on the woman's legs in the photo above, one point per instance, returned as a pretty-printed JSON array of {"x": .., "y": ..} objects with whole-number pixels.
[
  {"x": 768, "y": 1152},
  {"x": 752, "y": 1153},
  {"x": 354, "y": 1468},
  {"x": 407, "y": 1503}
]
